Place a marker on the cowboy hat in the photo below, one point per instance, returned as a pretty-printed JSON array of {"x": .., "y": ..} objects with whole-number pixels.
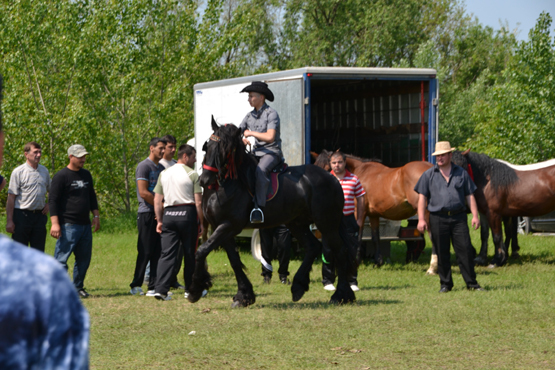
[
  {"x": 261, "y": 88},
  {"x": 443, "y": 147}
]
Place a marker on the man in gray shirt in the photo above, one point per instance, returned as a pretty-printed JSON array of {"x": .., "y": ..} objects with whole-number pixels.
[
  {"x": 444, "y": 190},
  {"x": 26, "y": 208},
  {"x": 262, "y": 123}
]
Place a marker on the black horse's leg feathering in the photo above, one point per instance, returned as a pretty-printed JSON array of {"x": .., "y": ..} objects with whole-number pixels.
[
  {"x": 201, "y": 277},
  {"x": 245, "y": 294},
  {"x": 312, "y": 248}
]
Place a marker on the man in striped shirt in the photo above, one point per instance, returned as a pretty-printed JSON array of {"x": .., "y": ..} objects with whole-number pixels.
[{"x": 349, "y": 225}]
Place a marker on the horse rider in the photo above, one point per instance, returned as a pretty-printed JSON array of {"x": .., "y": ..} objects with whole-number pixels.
[{"x": 262, "y": 123}]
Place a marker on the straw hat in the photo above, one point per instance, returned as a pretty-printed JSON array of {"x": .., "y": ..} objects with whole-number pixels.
[{"x": 443, "y": 147}]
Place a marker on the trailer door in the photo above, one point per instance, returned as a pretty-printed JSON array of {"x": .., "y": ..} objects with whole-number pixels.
[{"x": 288, "y": 103}]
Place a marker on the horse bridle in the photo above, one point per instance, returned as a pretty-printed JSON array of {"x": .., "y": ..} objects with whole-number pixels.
[
  {"x": 210, "y": 168},
  {"x": 230, "y": 164}
]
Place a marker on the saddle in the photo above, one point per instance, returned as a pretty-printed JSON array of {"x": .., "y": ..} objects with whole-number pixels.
[
  {"x": 280, "y": 168},
  {"x": 274, "y": 179}
]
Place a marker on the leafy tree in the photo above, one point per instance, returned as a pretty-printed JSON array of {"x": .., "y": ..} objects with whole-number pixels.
[{"x": 518, "y": 118}]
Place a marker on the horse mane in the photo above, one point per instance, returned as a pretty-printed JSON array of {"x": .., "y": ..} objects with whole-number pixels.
[
  {"x": 363, "y": 160},
  {"x": 483, "y": 167},
  {"x": 231, "y": 142}
]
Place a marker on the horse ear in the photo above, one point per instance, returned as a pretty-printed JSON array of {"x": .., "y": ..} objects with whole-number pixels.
[
  {"x": 313, "y": 155},
  {"x": 214, "y": 124},
  {"x": 466, "y": 152}
]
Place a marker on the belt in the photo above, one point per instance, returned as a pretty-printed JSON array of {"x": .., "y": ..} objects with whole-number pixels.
[
  {"x": 450, "y": 213},
  {"x": 182, "y": 204},
  {"x": 30, "y": 210}
]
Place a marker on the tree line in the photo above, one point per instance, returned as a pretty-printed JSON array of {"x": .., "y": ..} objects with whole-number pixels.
[{"x": 112, "y": 74}]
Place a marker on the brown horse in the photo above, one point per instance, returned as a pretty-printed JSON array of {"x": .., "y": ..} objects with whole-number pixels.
[
  {"x": 389, "y": 191},
  {"x": 504, "y": 191}
]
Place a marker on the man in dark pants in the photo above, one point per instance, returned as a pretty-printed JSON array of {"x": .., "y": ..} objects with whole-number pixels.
[
  {"x": 262, "y": 123},
  {"x": 445, "y": 189},
  {"x": 282, "y": 237},
  {"x": 148, "y": 241},
  {"x": 72, "y": 198},
  {"x": 352, "y": 188},
  {"x": 177, "y": 203},
  {"x": 26, "y": 208}
]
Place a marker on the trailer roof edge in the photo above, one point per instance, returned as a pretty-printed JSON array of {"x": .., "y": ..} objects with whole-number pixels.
[{"x": 338, "y": 71}]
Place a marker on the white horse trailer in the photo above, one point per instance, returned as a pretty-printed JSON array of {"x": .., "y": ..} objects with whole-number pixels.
[{"x": 384, "y": 113}]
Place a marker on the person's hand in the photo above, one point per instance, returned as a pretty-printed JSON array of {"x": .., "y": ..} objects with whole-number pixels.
[
  {"x": 246, "y": 142},
  {"x": 422, "y": 226},
  {"x": 10, "y": 227},
  {"x": 45, "y": 209},
  {"x": 201, "y": 229},
  {"x": 475, "y": 223},
  {"x": 159, "y": 228},
  {"x": 96, "y": 224},
  {"x": 55, "y": 231},
  {"x": 247, "y": 133}
]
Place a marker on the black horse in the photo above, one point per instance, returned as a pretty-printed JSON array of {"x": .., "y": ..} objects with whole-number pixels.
[{"x": 307, "y": 194}]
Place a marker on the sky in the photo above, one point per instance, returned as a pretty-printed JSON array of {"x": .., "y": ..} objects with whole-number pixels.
[{"x": 525, "y": 12}]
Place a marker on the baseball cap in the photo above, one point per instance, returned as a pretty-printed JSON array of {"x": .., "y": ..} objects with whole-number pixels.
[{"x": 77, "y": 151}]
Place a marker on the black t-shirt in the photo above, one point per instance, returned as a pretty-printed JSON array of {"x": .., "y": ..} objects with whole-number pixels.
[{"x": 72, "y": 196}]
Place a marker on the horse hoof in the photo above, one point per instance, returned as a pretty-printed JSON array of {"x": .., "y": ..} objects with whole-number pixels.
[
  {"x": 431, "y": 272},
  {"x": 297, "y": 292},
  {"x": 236, "y": 304},
  {"x": 479, "y": 261},
  {"x": 492, "y": 266}
]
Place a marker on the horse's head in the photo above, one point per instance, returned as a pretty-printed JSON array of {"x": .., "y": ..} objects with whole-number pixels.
[
  {"x": 322, "y": 159},
  {"x": 220, "y": 154}
]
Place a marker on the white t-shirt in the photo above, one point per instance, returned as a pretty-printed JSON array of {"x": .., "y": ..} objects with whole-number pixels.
[{"x": 178, "y": 184}]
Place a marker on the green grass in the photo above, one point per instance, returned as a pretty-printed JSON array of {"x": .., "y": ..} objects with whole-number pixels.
[{"x": 398, "y": 322}]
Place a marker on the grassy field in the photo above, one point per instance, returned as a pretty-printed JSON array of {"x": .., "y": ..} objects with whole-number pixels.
[{"x": 398, "y": 322}]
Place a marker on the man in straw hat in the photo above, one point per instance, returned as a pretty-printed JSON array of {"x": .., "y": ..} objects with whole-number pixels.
[
  {"x": 262, "y": 123},
  {"x": 445, "y": 189}
]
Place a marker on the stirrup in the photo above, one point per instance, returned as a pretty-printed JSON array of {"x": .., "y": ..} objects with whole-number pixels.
[{"x": 254, "y": 211}]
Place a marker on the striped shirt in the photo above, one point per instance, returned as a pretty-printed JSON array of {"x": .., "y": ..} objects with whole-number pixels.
[{"x": 352, "y": 189}]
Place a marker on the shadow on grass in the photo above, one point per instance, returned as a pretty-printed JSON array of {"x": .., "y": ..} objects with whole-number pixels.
[{"x": 326, "y": 304}]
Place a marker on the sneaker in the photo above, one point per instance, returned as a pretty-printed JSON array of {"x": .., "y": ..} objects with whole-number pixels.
[
  {"x": 354, "y": 288},
  {"x": 162, "y": 297},
  {"x": 329, "y": 287},
  {"x": 136, "y": 290},
  {"x": 257, "y": 217},
  {"x": 150, "y": 293},
  {"x": 82, "y": 293}
]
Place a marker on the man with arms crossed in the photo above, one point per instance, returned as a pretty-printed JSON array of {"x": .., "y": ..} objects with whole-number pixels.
[
  {"x": 72, "y": 198},
  {"x": 445, "y": 189},
  {"x": 26, "y": 208},
  {"x": 177, "y": 202},
  {"x": 148, "y": 241},
  {"x": 350, "y": 226}
]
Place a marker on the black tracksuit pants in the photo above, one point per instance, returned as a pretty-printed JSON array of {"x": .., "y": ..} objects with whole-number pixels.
[
  {"x": 179, "y": 230},
  {"x": 282, "y": 237}
]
